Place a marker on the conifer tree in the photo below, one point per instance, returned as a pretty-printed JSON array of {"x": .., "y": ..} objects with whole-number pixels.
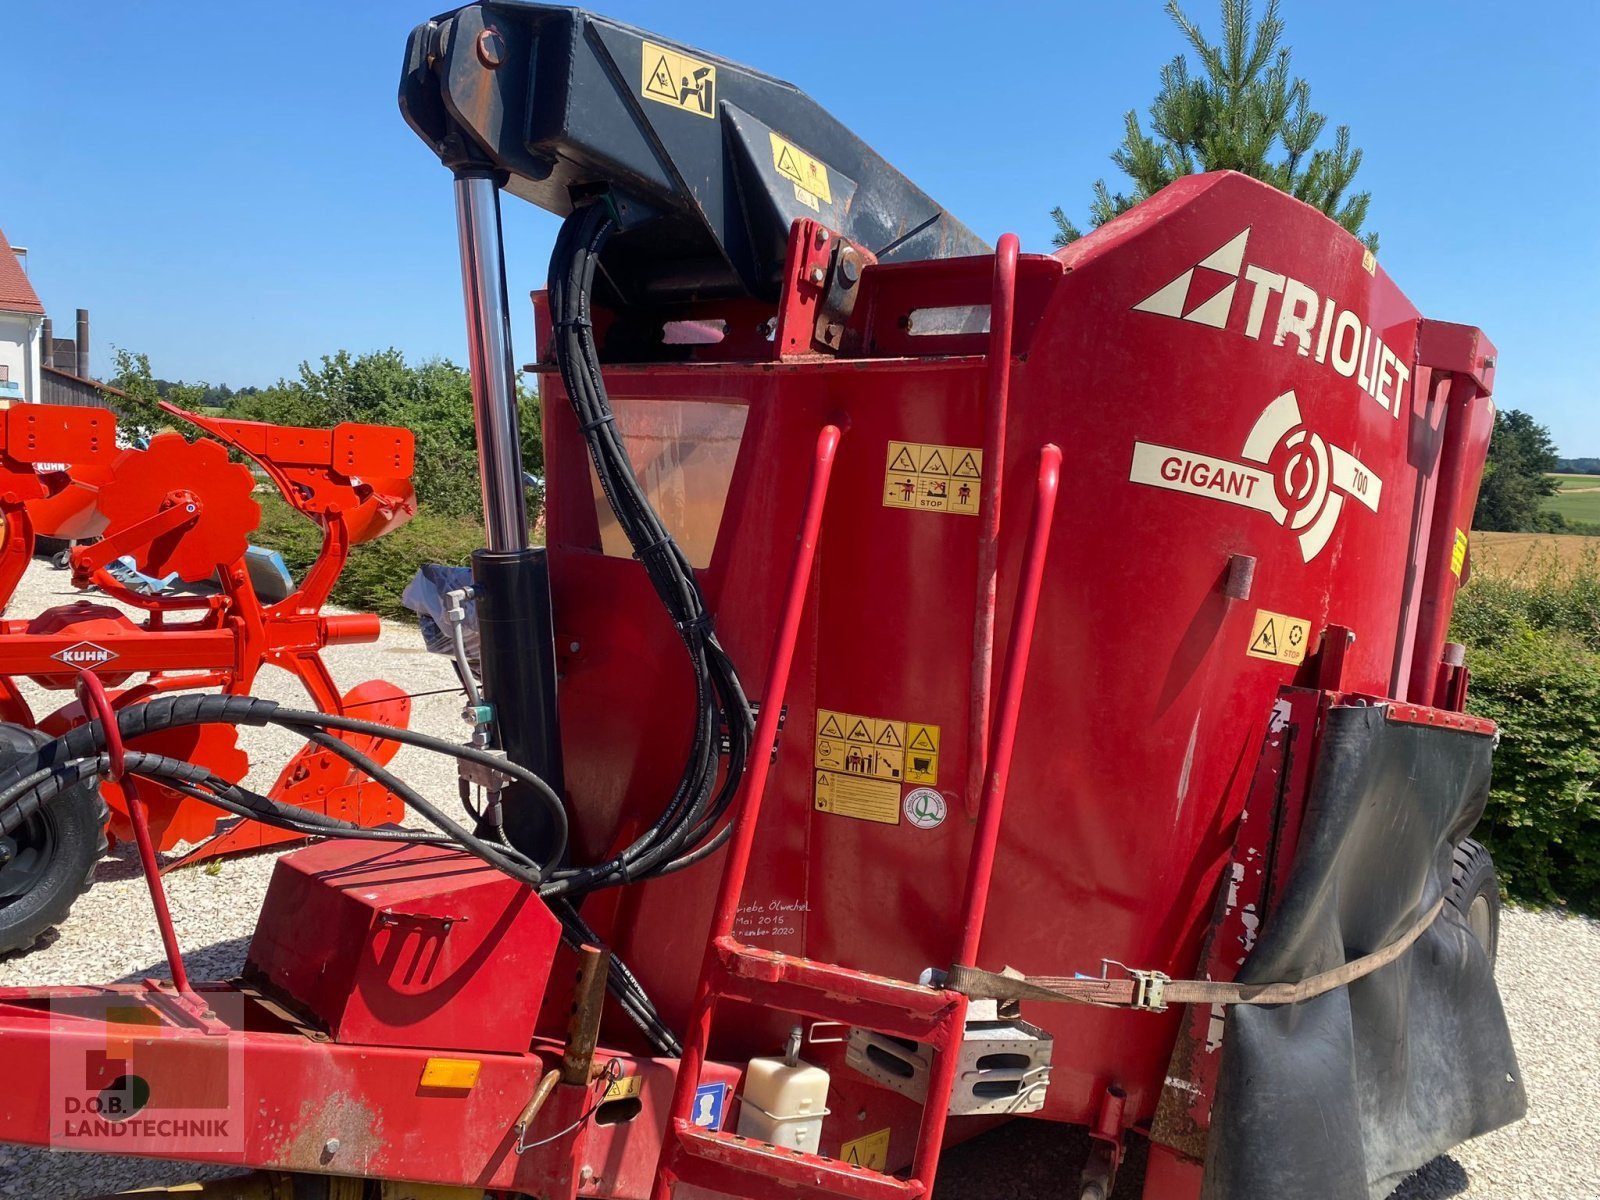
[{"x": 1243, "y": 112}]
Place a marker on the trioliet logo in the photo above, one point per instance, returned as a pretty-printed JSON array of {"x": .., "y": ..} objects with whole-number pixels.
[
  {"x": 1319, "y": 327},
  {"x": 84, "y": 654}
]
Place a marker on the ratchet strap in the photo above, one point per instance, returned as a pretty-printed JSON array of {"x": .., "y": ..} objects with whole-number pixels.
[{"x": 1152, "y": 991}]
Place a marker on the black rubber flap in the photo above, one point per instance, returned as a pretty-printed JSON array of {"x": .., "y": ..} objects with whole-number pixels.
[{"x": 1344, "y": 1095}]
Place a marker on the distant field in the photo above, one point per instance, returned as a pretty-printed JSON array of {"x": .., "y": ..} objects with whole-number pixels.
[
  {"x": 1515, "y": 553},
  {"x": 1575, "y": 504},
  {"x": 1569, "y": 483}
]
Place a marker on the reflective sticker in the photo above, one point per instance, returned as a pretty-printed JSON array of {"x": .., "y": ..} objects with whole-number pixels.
[
  {"x": 809, "y": 175},
  {"x": 871, "y": 1151},
  {"x": 933, "y": 478},
  {"x": 625, "y": 1088},
  {"x": 1280, "y": 638},
  {"x": 454, "y": 1074},
  {"x": 675, "y": 79},
  {"x": 863, "y": 799},
  {"x": 1458, "y": 555}
]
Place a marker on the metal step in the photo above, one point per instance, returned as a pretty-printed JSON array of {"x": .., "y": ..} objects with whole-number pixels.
[
  {"x": 830, "y": 992},
  {"x": 724, "y": 1162}
]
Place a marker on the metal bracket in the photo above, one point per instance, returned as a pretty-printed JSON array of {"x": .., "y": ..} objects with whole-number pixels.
[{"x": 482, "y": 775}]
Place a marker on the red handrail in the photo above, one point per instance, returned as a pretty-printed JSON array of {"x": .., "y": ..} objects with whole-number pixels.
[
  {"x": 1002, "y": 315},
  {"x": 747, "y": 813},
  {"x": 980, "y": 866}
]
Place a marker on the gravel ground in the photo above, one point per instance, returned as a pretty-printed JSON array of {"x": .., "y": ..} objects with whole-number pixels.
[{"x": 1549, "y": 973}]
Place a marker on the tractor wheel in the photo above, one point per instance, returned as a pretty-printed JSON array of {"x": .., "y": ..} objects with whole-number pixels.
[
  {"x": 1475, "y": 894},
  {"x": 49, "y": 862}
]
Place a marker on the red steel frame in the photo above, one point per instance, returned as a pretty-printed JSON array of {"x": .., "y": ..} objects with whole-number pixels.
[
  {"x": 353, "y": 480},
  {"x": 831, "y": 992},
  {"x": 1152, "y": 658}
]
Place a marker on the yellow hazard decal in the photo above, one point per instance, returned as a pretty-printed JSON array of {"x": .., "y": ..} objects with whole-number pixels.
[
  {"x": 873, "y": 748},
  {"x": 871, "y": 1151},
  {"x": 861, "y": 762},
  {"x": 944, "y": 479},
  {"x": 668, "y": 77},
  {"x": 922, "y": 753},
  {"x": 863, "y": 799},
  {"x": 1278, "y": 637},
  {"x": 1369, "y": 262},
  {"x": 807, "y": 174},
  {"x": 1458, "y": 554},
  {"x": 625, "y": 1088}
]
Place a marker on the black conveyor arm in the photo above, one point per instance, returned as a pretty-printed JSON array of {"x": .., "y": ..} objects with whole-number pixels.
[{"x": 705, "y": 163}]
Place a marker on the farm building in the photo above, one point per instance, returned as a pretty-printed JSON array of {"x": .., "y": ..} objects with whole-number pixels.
[{"x": 21, "y": 324}]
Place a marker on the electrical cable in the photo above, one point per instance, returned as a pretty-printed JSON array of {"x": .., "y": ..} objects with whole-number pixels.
[{"x": 675, "y": 838}]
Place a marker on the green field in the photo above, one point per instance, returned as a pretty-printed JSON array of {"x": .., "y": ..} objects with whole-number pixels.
[{"x": 1578, "y": 498}]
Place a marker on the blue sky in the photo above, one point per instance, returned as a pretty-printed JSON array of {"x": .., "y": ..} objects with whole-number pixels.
[{"x": 233, "y": 190}]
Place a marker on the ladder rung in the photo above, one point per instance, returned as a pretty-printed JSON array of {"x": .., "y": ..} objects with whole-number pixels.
[
  {"x": 830, "y": 992},
  {"x": 723, "y": 1162}
]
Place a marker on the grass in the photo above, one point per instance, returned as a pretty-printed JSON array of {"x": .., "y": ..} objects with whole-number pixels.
[
  {"x": 1569, "y": 482},
  {"x": 1575, "y": 506}
]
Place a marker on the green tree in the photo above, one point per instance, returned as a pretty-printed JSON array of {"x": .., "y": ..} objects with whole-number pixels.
[
  {"x": 1516, "y": 476},
  {"x": 138, "y": 405},
  {"x": 1244, "y": 113},
  {"x": 433, "y": 399}
]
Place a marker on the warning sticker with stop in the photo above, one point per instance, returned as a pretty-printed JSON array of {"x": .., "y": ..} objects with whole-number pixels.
[{"x": 1278, "y": 637}]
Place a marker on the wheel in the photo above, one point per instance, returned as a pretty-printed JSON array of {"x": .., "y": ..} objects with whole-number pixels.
[
  {"x": 49, "y": 862},
  {"x": 1475, "y": 894}
]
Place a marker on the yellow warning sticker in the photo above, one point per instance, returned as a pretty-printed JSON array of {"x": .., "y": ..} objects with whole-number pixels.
[
  {"x": 874, "y": 748},
  {"x": 922, "y": 753},
  {"x": 625, "y": 1088},
  {"x": 871, "y": 1152},
  {"x": 858, "y": 745},
  {"x": 863, "y": 799},
  {"x": 668, "y": 77},
  {"x": 808, "y": 174},
  {"x": 1458, "y": 555},
  {"x": 1280, "y": 638},
  {"x": 1369, "y": 262},
  {"x": 934, "y": 478}
]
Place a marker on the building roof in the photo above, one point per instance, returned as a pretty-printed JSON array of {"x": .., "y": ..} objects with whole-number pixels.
[{"x": 16, "y": 293}]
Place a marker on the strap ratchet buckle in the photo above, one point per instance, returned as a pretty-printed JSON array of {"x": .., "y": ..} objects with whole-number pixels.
[
  {"x": 1149, "y": 990},
  {"x": 1149, "y": 987}
]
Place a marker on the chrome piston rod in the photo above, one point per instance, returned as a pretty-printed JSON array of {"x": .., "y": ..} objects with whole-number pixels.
[{"x": 494, "y": 376}]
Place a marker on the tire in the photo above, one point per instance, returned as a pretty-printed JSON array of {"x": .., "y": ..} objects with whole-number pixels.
[
  {"x": 49, "y": 862},
  {"x": 1475, "y": 894}
]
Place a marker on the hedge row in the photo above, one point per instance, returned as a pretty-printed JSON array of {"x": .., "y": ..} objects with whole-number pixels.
[
  {"x": 378, "y": 571},
  {"x": 1533, "y": 645}
]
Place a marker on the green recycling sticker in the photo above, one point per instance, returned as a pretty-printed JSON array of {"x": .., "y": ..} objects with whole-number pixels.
[{"x": 925, "y": 808}]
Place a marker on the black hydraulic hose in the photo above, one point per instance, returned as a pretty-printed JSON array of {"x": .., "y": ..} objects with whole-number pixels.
[
  {"x": 512, "y": 862},
  {"x": 697, "y": 803}
]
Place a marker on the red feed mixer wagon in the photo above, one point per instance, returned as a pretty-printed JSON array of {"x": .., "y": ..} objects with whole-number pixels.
[{"x": 959, "y": 685}]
